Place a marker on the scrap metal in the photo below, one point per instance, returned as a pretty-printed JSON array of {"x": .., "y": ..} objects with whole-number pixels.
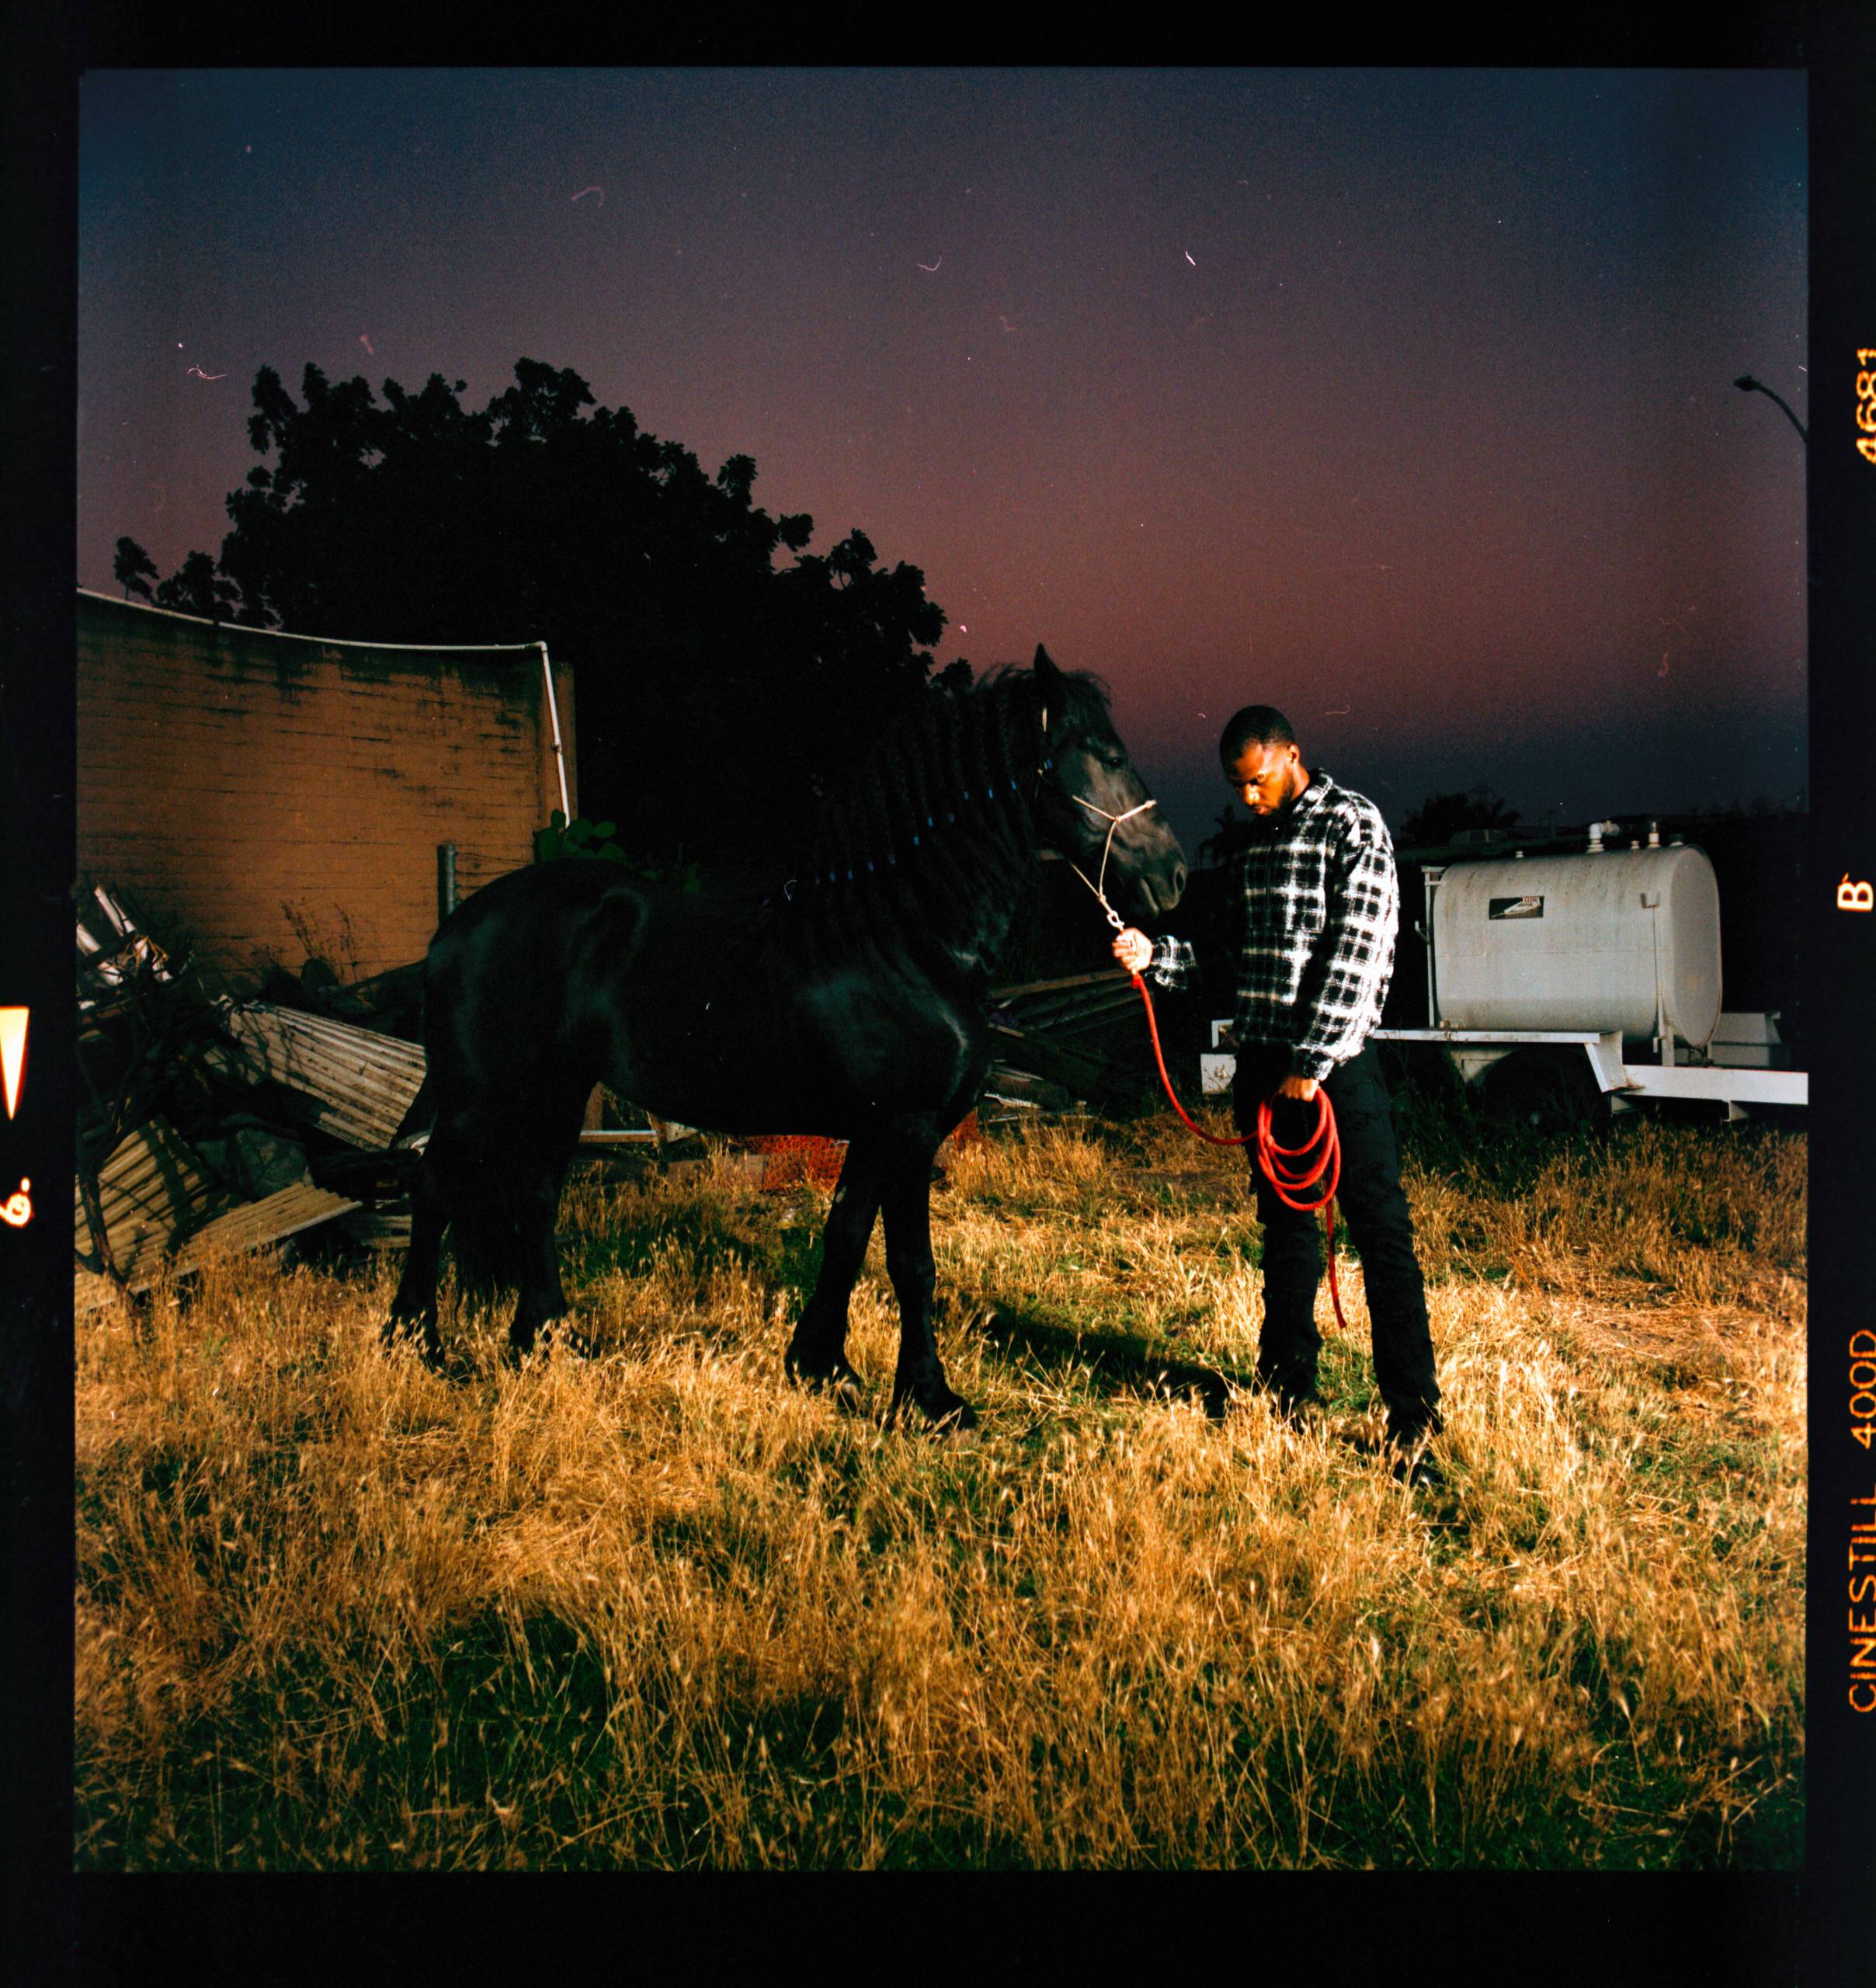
[{"x": 362, "y": 1083}]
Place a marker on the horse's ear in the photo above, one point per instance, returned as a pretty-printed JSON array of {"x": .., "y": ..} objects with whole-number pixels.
[{"x": 1048, "y": 683}]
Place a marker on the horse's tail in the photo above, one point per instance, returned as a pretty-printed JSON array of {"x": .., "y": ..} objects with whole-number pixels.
[
  {"x": 484, "y": 1200},
  {"x": 464, "y": 1152},
  {"x": 481, "y": 1213}
]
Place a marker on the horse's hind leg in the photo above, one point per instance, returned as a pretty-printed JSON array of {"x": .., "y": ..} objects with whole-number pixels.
[
  {"x": 818, "y": 1351},
  {"x": 413, "y": 1311},
  {"x": 543, "y": 1299},
  {"x": 539, "y": 1174},
  {"x": 906, "y": 1198}
]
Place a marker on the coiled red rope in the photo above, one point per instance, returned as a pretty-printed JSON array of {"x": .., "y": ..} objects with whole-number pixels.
[{"x": 1287, "y": 1180}]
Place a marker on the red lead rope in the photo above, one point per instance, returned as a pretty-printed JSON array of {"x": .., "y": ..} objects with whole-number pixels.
[{"x": 1286, "y": 1181}]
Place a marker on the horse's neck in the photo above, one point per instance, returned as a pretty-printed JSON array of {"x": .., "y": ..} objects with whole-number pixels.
[
  {"x": 951, "y": 924},
  {"x": 972, "y": 939},
  {"x": 961, "y": 888}
]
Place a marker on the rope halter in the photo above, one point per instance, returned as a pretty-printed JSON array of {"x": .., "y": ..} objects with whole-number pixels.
[{"x": 1114, "y": 821}]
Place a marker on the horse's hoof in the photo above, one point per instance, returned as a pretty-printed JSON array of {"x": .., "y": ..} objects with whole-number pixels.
[
  {"x": 550, "y": 1336},
  {"x": 948, "y": 1414},
  {"x": 413, "y": 1335},
  {"x": 834, "y": 1376}
]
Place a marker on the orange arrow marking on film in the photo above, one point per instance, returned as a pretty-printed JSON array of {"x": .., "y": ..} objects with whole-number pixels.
[{"x": 13, "y": 1052}]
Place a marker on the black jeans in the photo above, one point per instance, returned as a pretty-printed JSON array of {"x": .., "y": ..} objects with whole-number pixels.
[{"x": 1371, "y": 1204}]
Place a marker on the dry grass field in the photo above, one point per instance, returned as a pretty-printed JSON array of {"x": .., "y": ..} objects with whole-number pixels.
[{"x": 658, "y": 1608}]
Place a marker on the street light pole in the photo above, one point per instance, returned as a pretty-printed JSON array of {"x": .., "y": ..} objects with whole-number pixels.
[{"x": 1747, "y": 384}]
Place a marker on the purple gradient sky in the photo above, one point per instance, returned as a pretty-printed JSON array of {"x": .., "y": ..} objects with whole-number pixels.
[{"x": 1401, "y": 399}]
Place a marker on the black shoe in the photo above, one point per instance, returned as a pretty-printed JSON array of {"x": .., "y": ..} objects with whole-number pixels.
[
  {"x": 1418, "y": 1473},
  {"x": 1412, "y": 1429},
  {"x": 1298, "y": 1406},
  {"x": 1407, "y": 1452}
]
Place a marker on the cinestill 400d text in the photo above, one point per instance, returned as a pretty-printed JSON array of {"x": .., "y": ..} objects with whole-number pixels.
[{"x": 1860, "y": 1621}]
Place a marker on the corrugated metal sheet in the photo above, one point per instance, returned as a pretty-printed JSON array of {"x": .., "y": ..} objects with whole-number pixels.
[
  {"x": 111, "y": 952},
  {"x": 89, "y": 1291},
  {"x": 255, "y": 1225},
  {"x": 252, "y": 1226},
  {"x": 362, "y": 1083},
  {"x": 153, "y": 1187}
]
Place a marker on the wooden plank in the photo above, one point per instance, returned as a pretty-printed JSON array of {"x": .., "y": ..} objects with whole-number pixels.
[
  {"x": 1118, "y": 974},
  {"x": 1071, "y": 1068},
  {"x": 1023, "y": 1083},
  {"x": 385, "y": 1227},
  {"x": 1073, "y": 1010},
  {"x": 1089, "y": 1024}
]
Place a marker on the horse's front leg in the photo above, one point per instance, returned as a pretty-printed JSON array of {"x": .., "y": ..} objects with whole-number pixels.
[
  {"x": 906, "y": 1198},
  {"x": 817, "y": 1353}
]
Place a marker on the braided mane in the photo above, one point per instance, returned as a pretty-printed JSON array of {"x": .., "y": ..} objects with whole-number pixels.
[{"x": 938, "y": 818}]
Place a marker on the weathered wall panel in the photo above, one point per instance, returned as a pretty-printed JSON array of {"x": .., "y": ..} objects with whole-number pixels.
[{"x": 258, "y": 790}]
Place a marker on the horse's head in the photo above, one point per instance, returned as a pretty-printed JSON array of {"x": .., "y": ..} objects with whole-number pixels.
[{"x": 1091, "y": 804}]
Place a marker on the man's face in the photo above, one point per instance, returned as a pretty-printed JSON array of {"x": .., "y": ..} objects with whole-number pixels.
[{"x": 1267, "y": 777}]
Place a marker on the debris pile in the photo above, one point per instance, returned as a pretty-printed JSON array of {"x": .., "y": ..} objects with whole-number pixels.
[
  {"x": 1062, "y": 1045},
  {"x": 211, "y": 1121},
  {"x": 209, "y": 1124}
]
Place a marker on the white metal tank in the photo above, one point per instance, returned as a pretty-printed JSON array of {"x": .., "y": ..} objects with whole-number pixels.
[{"x": 1580, "y": 942}]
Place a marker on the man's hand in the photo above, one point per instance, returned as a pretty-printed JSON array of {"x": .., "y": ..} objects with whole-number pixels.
[
  {"x": 1133, "y": 949},
  {"x": 1298, "y": 1087}
]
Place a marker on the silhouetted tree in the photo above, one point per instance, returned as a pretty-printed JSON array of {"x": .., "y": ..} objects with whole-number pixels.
[
  {"x": 719, "y": 667},
  {"x": 194, "y": 589},
  {"x": 1229, "y": 835},
  {"x": 1440, "y": 816},
  {"x": 133, "y": 568}
]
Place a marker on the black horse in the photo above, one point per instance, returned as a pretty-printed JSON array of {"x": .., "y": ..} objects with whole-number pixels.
[{"x": 853, "y": 1002}]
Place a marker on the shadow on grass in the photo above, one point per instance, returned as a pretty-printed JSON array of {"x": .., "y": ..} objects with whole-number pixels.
[{"x": 1121, "y": 1359}]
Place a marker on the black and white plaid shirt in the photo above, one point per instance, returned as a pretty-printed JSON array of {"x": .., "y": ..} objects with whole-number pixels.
[{"x": 1321, "y": 905}]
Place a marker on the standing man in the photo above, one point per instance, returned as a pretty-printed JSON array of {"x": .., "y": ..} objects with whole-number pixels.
[{"x": 1318, "y": 903}]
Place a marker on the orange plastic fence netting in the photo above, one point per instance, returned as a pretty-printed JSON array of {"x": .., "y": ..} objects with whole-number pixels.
[{"x": 795, "y": 1158}]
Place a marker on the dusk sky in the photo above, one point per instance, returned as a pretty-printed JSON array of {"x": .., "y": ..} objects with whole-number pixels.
[{"x": 1402, "y": 399}]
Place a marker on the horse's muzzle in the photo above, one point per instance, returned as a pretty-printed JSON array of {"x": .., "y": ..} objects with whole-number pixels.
[
  {"x": 1147, "y": 856},
  {"x": 1163, "y": 892}
]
